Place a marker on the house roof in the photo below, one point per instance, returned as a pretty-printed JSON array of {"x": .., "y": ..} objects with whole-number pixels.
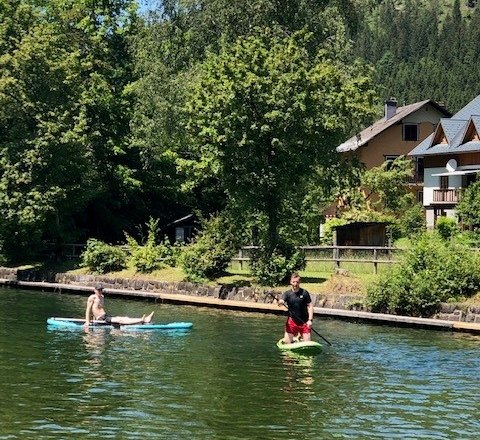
[
  {"x": 356, "y": 225},
  {"x": 455, "y": 131},
  {"x": 189, "y": 217},
  {"x": 381, "y": 125}
]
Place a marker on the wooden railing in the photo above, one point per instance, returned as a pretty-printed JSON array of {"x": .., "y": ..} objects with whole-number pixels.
[
  {"x": 416, "y": 178},
  {"x": 337, "y": 255},
  {"x": 446, "y": 195}
]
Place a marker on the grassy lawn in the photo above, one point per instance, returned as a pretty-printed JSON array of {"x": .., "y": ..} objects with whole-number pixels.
[{"x": 318, "y": 282}]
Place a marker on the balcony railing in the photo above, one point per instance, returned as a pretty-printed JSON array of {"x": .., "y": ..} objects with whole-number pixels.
[
  {"x": 416, "y": 178},
  {"x": 446, "y": 195}
]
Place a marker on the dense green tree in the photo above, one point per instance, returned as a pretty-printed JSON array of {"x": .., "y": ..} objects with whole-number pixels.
[
  {"x": 263, "y": 114},
  {"x": 64, "y": 117},
  {"x": 468, "y": 209}
]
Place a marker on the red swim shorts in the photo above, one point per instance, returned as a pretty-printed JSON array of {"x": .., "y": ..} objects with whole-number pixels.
[{"x": 293, "y": 328}]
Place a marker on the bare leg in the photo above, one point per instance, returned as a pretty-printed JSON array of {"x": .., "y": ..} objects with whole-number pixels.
[
  {"x": 148, "y": 319},
  {"x": 125, "y": 320},
  {"x": 307, "y": 336},
  {"x": 287, "y": 338}
]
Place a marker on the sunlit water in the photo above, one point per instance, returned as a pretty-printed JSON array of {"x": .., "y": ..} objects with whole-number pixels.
[{"x": 226, "y": 379}]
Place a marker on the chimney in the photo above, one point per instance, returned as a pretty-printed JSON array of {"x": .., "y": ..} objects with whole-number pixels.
[{"x": 390, "y": 108}]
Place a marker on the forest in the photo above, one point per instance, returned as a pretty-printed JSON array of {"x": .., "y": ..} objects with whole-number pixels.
[{"x": 114, "y": 113}]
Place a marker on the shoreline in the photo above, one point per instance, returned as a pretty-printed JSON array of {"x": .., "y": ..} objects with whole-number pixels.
[{"x": 248, "y": 305}]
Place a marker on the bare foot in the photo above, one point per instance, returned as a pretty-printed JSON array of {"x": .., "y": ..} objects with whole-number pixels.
[{"x": 147, "y": 319}]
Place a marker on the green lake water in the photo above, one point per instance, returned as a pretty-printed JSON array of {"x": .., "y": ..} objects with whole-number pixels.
[{"x": 226, "y": 379}]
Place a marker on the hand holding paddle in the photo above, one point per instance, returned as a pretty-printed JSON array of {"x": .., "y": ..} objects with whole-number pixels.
[{"x": 297, "y": 318}]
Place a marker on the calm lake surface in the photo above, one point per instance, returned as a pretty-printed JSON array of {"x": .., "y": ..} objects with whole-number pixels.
[{"x": 226, "y": 379}]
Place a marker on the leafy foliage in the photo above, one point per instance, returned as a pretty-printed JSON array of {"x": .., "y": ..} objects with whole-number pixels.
[
  {"x": 150, "y": 256},
  {"x": 412, "y": 221},
  {"x": 329, "y": 226},
  {"x": 447, "y": 227},
  {"x": 468, "y": 209},
  {"x": 64, "y": 118},
  {"x": 274, "y": 268},
  {"x": 102, "y": 258},
  {"x": 212, "y": 250},
  {"x": 262, "y": 115},
  {"x": 432, "y": 271}
]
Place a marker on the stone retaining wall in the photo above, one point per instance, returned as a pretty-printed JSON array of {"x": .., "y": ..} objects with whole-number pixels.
[{"x": 448, "y": 312}]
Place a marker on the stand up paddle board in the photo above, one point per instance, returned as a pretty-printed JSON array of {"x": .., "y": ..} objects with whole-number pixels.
[
  {"x": 79, "y": 323},
  {"x": 302, "y": 347}
]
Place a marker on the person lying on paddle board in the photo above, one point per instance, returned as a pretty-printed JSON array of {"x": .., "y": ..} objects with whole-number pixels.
[
  {"x": 300, "y": 311},
  {"x": 95, "y": 307}
]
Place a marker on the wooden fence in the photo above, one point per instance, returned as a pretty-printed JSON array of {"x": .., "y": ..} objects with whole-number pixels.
[
  {"x": 334, "y": 257},
  {"x": 317, "y": 257}
]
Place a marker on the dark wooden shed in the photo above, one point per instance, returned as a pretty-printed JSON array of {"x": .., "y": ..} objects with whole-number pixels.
[
  {"x": 361, "y": 234},
  {"x": 183, "y": 229}
]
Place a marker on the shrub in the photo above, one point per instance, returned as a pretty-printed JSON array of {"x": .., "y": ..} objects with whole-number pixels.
[
  {"x": 210, "y": 254},
  {"x": 274, "y": 268},
  {"x": 149, "y": 257},
  {"x": 327, "y": 238},
  {"x": 412, "y": 221},
  {"x": 447, "y": 227},
  {"x": 433, "y": 271},
  {"x": 101, "y": 257}
]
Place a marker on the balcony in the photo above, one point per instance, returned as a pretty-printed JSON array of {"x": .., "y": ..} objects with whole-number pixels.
[
  {"x": 416, "y": 179},
  {"x": 446, "y": 195}
]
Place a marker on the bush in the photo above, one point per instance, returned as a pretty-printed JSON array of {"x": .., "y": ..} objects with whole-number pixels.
[
  {"x": 271, "y": 269},
  {"x": 433, "y": 271},
  {"x": 210, "y": 254},
  {"x": 327, "y": 238},
  {"x": 447, "y": 227},
  {"x": 101, "y": 257},
  {"x": 412, "y": 221},
  {"x": 150, "y": 256}
]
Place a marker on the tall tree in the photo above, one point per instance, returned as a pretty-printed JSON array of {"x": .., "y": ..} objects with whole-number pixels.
[
  {"x": 64, "y": 117},
  {"x": 263, "y": 114}
]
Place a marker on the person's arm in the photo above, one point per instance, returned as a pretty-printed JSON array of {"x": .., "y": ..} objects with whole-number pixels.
[
  {"x": 310, "y": 314},
  {"x": 88, "y": 311},
  {"x": 282, "y": 300}
]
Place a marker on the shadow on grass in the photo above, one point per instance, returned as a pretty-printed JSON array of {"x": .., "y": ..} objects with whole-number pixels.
[
  {"x": 313, "y": 280},
  {"x": 44, "y": 270},
  {"x": 58, "y": 266}
]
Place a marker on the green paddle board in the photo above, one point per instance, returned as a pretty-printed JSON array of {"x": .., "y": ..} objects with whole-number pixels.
[{"x": 302, "y": 347}]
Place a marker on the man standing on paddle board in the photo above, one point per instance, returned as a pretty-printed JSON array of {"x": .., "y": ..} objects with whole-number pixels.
[
  {"x": 300, "y": 311},
  {"x": 95, "y": 307}
]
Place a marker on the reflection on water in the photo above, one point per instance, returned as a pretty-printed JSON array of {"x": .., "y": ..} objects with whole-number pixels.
[
  {"x": 226, "y": 379},
  {"x": 299, "y": 369}
]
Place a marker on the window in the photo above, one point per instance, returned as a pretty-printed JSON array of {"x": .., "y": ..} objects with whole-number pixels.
[
  {"x": 419, "y": 167},
  {"x": 410, "y": 132},
  {"x": 443, "y": 182},
  {"x": 389, "y": 159},
  {"x": 468, "y": 180},
  {"x": 420, "y": 197},
  {"x": 439, "y": 212}
]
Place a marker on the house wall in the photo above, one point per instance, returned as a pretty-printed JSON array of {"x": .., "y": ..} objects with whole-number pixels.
[
  {"x": 463, "y": 159},
  {"x": 390, "y": 141},
  {"x": 433, "y": 182},
  {"x": 437, "y": 165}
]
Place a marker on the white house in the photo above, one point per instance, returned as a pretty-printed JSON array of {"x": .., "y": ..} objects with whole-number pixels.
[{"x": 451, "y": 160}]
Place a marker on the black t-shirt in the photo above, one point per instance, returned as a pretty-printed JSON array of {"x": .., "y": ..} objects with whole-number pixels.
[{"x": 297, "y": 303}]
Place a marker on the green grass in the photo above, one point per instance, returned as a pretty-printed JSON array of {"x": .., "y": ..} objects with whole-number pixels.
[{"x": 313, "y": 280}]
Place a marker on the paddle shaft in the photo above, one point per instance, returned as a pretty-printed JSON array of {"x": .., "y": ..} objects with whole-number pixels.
[{"x": 298, "y": 319}]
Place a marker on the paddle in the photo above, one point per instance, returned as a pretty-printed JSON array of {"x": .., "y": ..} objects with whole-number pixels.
[{"x": 298, "y": 319}]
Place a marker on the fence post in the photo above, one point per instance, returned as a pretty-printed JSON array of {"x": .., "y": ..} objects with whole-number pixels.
[
  {"x": 336, "y": 256},
  {"x": 375, "y": 262}
]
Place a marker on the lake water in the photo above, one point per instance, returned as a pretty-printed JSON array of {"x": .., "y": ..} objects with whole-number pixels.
[{"x": 226, "y": 379}]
